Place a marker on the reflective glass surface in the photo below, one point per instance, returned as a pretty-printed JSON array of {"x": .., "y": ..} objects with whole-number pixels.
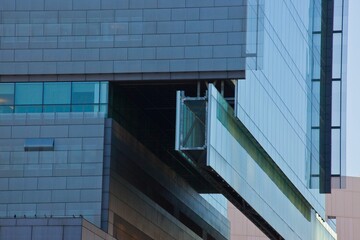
[
  {"x": 335, "y": 151},
  {"x": 336, "y": 73},
  {"x": 336, "y": 104},
  {"x": 28, "y": 93},
  {"x": 53, "y": 97},
  {"x": 57, "y": 93},
  {"x": 278, "y": 101},
  {"x": 338, "y": 8},
  {"x": 83, "y": 93},
  {"x": 7, "y": 94}
]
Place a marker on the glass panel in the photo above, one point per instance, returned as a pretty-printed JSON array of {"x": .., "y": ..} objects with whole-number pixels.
[
  {"x": 315, "y": 116},
  {"x": 28, "y": 109},
  {"x": 6, "y": 109},
  {"x": 336, "y": 103},
  {"x": 315, "y": 170},
  {"x": 193, "y": 125},
  {"x": 104, "y": 86},
  {"x": 7, "y": 94},
  {"x": 252, "y": 25},
  {"x": 103, "y": 108},
  {"x": 317, "y": 16},
  {"x": 28, "y": 93},
  {"x": 85, "y": 93},
  {"x": 57, "y": 93},
  {"x": 335, "y": 151},
  {"x": 316, "y": 59},
  {"x": 56, "y": 108},
  {"x": 338, "y": 15},
  {"x": 315, "y": 132},
  {"x": 336, "y": 73},
  {"x": 85, "y": 108}
]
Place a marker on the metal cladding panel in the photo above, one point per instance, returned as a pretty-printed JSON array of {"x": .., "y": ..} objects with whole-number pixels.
[
  {"x": 246, "y": 169},
  {"x": 86, "y": 37}
]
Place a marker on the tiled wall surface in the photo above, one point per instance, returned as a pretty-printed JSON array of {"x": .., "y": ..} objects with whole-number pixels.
[
  {"x": 149, "y": 218},
  {"x": 241, "y": 227},
  {"x": 63, "y": 182},
  {"x": 50, "y": 228},
  {"x": 121, "y": 36},
  {"x": 343, "y": 204}
]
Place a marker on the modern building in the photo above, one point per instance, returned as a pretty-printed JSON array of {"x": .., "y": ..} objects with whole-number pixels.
[{"x": 141, "y": 119}]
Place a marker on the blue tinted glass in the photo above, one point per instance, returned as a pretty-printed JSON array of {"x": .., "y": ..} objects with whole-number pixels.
[
  {"x": 336, "y": 73},
  {"x": 7, "y": 94},
  {"x": 28, "y": 109},
  {"x": 85, "y": 108},
  {"x": 338, "y": 15},
  {"x": 316, "y": 59},
  {"x": 85, "y": 93},
  {"x": 335, "y": 151},
  {"x": 104, "y": 86},
  {"x": 6, "y": 109},
  {"x": 317, "y": 16},
  {"x": 336, "y": 103},
  {"x": 28, "y": 93},
  {"x": 103, "y": 108},
  {"x": 56, "y": 108},
  {"x": 315, "y": 115},
  {"x": 57, "y": 93}
]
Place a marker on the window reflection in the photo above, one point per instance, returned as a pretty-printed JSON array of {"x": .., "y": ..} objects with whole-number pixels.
[
  {"x": 53, "y": 97},
  {"x": 338, "y": 15},
  {"x": 7, "y": 94},
  {"x": 57, "y": 93},
  {"x": 336, "y": 103},
  {"x": 83, "y": 93},
  {"x": 336, "y": 71},
  {"x": 28, "y": 93},
  {"x": 335, "y": 151}
]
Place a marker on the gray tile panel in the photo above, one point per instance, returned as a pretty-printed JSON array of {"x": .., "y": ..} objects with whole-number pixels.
[
  {"x": 18, "y": 233},
  {"x": 43, "y": 17},
  {"x": 7, "y": 5},
  {"x": 105, "y": 16},
  {"x": 47, "y": 232},
  {"x": 42, "y": 182},
  {"x": 75, "y": 36},
  {"x": 5, "y": 131}
]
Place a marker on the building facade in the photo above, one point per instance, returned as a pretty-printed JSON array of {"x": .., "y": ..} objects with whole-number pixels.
[
  {"x": 343, "y": 211},
  {"x": 142, "y": 118}
]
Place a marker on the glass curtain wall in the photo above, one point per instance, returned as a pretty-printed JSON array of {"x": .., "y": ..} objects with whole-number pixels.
[{"x": 53, "y": 97}]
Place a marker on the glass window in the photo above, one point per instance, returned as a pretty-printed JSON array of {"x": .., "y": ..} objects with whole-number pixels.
[
  {"x": 338, "y": 15},
  {"x": 104, "y": 86},
  {"x": 56, "y": 108},
  {"x": 336, "y": 103},
  {"x": 315, "y": 115},
  {"x": 316, "y": 51},
  {"x": 85, "y": 93},
  {"x": 6, "y": 109},
  {"x": 85, "y": 108},
  {"x": 57, "y": 93},
  {"x": 7, "y": 94},
  {"x": 336, "y": 73},
  {"x": 28, "y": 93},
  {"x": 317, "y": 16},
  {"x": 335, "y": 151},
  {"x": 28, "y": 109}
]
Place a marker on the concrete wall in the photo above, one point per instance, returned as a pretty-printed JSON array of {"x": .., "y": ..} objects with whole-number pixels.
[
  {"x": 64, "y": 182},
  {"x": 121, "y": 36}
]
